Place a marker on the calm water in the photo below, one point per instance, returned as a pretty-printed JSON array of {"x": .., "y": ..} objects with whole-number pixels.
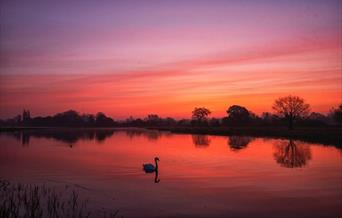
[{"x": 200, "y": 176}]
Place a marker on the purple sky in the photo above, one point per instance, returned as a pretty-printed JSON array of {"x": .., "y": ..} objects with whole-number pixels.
[{"x": 179, "y": 44}]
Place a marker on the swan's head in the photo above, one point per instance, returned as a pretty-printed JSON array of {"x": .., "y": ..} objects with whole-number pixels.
[{"x": 156, "y": 159}]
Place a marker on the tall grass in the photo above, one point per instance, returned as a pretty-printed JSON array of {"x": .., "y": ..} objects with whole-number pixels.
[{"x": 18, "y": 200}]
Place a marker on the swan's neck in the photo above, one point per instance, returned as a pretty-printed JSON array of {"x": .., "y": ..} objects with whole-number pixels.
[{"x": 156, "y": 164}]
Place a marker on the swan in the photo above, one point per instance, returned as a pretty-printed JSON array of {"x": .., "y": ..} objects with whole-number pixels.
[{"x": 150, "y": 168}]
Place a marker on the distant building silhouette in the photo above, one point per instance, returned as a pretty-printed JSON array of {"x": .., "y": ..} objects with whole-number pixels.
[{"x": 26, "y": 116}]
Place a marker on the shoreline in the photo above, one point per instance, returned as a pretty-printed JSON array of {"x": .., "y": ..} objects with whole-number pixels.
[{"x": 322, "y": 135}]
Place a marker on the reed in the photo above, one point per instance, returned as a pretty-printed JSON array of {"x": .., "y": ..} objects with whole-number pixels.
[{"x": 19, "y": 200}]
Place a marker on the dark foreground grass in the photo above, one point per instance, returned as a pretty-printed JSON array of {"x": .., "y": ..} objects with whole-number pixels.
[
  {"x": 322, "y": 135},
  {"x": 18, "y": 200}
]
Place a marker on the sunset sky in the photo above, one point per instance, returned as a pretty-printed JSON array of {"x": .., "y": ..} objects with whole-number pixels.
[{"x": 167, "y": 57}]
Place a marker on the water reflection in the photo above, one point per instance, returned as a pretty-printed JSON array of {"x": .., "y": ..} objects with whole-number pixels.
[
  {"x": 71, "y": 136},
  {"x": 133, "y": 133},
  {"x": 152, "y": 135},
  {"x": 291, "y": 155},
  {"x": 25, "y": 139},
  {"x": 201, "y": 141},
  {"x": 68, "y": 136},
  {"x": 156, "y": 177},
  {"x": 237, "y": 143},
  {"x": 204, "y": 178}
]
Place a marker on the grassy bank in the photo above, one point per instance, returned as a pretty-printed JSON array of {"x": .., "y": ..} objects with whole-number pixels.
[
  {"x": 323, "y": 135},
  {"x": 18, "y": 200}
]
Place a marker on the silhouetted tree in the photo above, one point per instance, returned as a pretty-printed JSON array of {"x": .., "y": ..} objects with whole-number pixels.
[
  {"x": 201, "y": 140},
  {"x": 214, "y": 122},
  {"x": 67, "y": 118},
  {"x": 337, "y": 114},
  {"x": 238, "y": 142},
  {"x": 200, "y": 115},
  {"x": 153, "y": 119},
  {"x": 291, "y": 108},
  {"x": 184, "y": 122},
  {"x": 102, "y": 120},
  {"x": 26, "y": 117},
  {"x": 238, "y": 115},
  {"x": 14, "y": 121},
  {"x": 169, "y": 121},
  {"x": 88, "y": 119},
  {"x": 316, "y": 119},
  {"x": 317, "y": 116},
  {"x": 290, "y": 155},
  {"x": 132, "y": 122},
  {"x": 268, "y": 118},
  {"x": 138, "y": 122}
]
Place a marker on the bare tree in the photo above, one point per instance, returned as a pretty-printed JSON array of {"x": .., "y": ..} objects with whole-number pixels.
[
  {"x": 291, "y": 108},
  {"x": 200, "y": 114}
]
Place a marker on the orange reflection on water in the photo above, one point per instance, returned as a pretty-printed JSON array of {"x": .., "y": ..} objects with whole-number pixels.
[{"x": 214, "y": 174}]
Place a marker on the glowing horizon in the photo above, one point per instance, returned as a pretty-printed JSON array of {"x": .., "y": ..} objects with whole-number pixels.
[{"x": 135, "y": 58}]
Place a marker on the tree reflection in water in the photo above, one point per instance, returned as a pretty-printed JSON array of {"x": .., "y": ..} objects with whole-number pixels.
[
  {"x": 237, "y": 143},
  {"x": 152, "y": 135},
  {"x": 201, "y": 141},
  {"x": 72, "y": 136},
  {"x": 67, "y": 136},
  {"x": 291, "y": 155}
]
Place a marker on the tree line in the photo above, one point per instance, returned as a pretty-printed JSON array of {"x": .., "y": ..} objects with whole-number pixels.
[
  {"x": 68, "y": 118},
  {"x": 289, "y": 110}
]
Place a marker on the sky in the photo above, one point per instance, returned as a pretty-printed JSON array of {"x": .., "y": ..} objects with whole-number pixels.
[{"x": 133, "y": 58}]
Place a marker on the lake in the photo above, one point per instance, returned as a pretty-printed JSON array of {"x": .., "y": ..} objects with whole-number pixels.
[{"x": 198, "y": 176}]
